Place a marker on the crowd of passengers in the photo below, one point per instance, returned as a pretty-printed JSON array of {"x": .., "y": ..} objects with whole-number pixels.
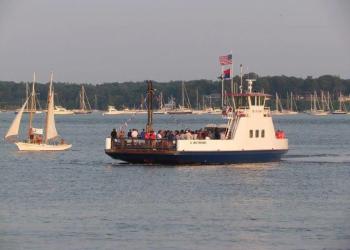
[{"x": 169, "y": 135}]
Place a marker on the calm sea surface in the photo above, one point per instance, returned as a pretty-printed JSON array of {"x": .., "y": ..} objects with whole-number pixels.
[{"x": 82, "y": 199}]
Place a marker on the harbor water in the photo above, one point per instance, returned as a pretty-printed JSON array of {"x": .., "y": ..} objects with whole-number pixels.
[{"x": 82, "y": 199}]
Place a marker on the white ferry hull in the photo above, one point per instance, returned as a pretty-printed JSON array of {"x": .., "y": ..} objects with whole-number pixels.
[{"x": 24, "y": 146}]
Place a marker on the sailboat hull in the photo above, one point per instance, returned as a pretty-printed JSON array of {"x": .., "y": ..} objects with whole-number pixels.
[{"x": 25, "y": 146}]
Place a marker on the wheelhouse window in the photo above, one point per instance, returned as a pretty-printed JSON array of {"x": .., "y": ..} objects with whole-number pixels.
[
  {"x": 257, "y": 133},
  {"x": 251, "y": 133}
]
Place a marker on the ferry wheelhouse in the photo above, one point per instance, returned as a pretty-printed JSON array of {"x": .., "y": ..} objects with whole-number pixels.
[{"x": 248, "y": 136}]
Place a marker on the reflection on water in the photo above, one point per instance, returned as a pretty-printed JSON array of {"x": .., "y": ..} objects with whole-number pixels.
[{"x": 86, "y": 200}]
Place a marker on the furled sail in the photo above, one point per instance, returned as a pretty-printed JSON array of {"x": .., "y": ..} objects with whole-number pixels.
[
  {"x": 13, "y": 130},
  {"x": 51, "y": 132}
]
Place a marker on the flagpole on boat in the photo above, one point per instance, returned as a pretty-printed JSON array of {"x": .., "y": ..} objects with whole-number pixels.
[
  {"x": 222, "y": 86},
  {"x": 232, "y": 88}
]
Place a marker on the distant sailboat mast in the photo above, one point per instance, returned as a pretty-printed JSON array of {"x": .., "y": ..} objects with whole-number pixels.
[
  {"x": 183, "y": 94},
  {"x": 82, "y": 99},
  {"x": 32, "y": 105}
]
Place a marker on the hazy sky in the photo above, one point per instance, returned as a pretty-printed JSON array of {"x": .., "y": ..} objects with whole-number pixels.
[{"x": 121, "y": 40}]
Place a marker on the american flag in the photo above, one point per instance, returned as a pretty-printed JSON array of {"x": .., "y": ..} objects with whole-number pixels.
[{"x": 225, "y": 60}]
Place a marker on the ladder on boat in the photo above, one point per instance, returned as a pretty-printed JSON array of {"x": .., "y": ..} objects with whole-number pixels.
[{"x": 232, "y": 125}]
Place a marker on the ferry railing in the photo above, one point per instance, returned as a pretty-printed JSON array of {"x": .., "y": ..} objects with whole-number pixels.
[{"x": 143, "y": 144}]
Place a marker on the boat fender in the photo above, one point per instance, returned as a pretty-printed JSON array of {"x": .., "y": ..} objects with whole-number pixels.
[{"x": 280, "y": 134}]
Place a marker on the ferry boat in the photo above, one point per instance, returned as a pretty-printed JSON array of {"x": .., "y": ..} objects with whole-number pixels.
[{"x": 248, "y": 136}]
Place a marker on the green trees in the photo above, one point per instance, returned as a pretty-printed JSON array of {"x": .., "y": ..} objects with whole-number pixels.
[{"x": 131, "y": 94}]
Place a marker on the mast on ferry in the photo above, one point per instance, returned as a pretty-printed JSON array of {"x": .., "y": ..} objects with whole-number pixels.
[{"x": 150, "y": 92}]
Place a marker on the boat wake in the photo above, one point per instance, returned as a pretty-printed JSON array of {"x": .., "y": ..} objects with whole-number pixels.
[{"x": 318, "y": 158}]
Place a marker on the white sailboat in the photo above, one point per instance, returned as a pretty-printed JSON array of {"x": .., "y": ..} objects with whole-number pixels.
[
  {"x": 182, "y": 110},
  {"x": 85, "y": 107},
  {"x": 279, "y": 108},
  {"x": 315, "y": 106},
  {"x": 38, "y": 139},
  {"x": 342, "y": 108},
  {"x": 291, "y": 105},
  {"x": 162, "y": 110}
]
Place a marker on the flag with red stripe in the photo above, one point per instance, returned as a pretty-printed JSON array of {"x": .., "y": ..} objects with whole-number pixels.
[{"x": 225, "y": 60}]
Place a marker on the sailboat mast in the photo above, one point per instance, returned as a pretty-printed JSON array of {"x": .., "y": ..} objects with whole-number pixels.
[
  {"x": 27, "y": 94},
  {"x": 31, "y": 105},
  {"x": 48, "y": 103},
  {"x": 82, "y": 98},
  {"x": 183, "y": 94},
  {"x": 311, "y": 108},
  {"x": 161, "y": 100}
]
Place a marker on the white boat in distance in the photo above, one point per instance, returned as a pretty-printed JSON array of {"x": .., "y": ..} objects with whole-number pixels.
[
  {"x": 342, "y": 108},
  {"x": 59, "y": 110},
  {"x": 291, "y": 105},
  {"x": 84, "y": 107},
  {"x": 39, "y": 139},
  {"x": 111, "y": 110},
  {"x": 182, "y": 110},
  {"x": 279, "y": 108},
  {"x": 315, "y": 108}
]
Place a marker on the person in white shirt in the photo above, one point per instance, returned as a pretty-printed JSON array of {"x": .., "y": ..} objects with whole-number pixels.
[{"x": 134, "y": 135}]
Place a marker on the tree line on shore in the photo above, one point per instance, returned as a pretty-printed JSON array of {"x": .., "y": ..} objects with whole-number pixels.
[{"x": 200, "y": 93}]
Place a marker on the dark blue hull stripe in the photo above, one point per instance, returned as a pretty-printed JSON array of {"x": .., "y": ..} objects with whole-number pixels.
[{"x": 199, "y": 157}]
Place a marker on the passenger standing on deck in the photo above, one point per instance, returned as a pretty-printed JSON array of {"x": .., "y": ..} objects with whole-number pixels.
[
  {"x": 159, "y": 135},
  {"x": 147, "y": 137},
  {"x": 142, "y": 135},
  {"x": 113, "y": 134},
  {"x": 188, "y": 135},
  {"x": 113, "y": 137},
  {"x": 134, "y": 135},
  {"x": 153, "y": 138}
]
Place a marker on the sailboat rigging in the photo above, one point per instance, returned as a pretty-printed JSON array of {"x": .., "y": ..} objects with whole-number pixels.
[
  {"x": 182, "y": 108},
  {"x": 84, "y": 107},
  {"x": 38, "y": 139}
]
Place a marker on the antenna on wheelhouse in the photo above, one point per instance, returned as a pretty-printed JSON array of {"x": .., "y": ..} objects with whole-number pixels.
[
  {"x": 250, "y": 85},
  {"x": 241, "y": 85}
]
